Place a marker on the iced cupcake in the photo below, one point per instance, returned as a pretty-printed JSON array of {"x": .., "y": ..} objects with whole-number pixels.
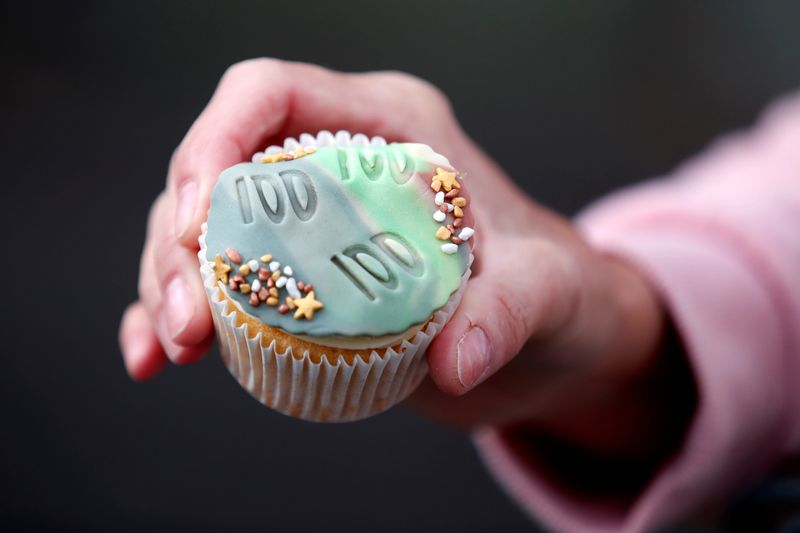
[{"x": 330, "y": 264}]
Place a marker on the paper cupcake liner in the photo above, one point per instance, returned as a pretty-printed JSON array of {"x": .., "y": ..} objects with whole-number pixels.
[{"x": 323, "y": 392}]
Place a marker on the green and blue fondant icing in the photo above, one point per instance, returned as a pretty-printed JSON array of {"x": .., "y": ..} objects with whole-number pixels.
[{"x": 353, "y": 221}]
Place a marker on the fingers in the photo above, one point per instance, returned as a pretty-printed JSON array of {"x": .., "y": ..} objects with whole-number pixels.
[
  {"x": 259, "y": 99},
  {"x": 524, "y": 290},
  {"x": 141, "y": 349},
  {"x": 184, "y": 307},
  {"x": 171, "y": 290}
]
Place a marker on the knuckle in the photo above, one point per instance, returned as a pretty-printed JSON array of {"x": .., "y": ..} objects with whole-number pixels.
[
  {"x": 418, "y": 91},
  {"x": 191, "y": 149},
  {"x": 175, "y": 158},
  {"x": 510, "y": 310},
  {"x": 159, "y": 245},
  {"x": 253, "y": 67},
  {"x": 248, "y": 77},
  {"x": 404, "y": 81},
  {"x": 241, "y": 67},
  {"x": 155, "y": 215},
  {"x": 147, "y": 287},
  {"x": 145, "y": 290},
  {"x": 178, "y": 173},
  {"x": 168, "y": 257},
  {"x": 556, "y": 285}
]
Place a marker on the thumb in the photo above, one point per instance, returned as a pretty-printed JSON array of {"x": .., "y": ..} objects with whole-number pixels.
[{"x": 511, "y": 300}]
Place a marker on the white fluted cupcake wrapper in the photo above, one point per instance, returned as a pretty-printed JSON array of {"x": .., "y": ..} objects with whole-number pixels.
[{"x": 296, "y": 386}]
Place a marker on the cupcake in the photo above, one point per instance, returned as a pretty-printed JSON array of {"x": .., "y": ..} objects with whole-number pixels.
[{"x": 330, "y": 264}]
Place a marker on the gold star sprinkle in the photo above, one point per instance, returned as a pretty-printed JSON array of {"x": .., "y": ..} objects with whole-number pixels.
[
  {"x": 221, "y": 269},
  {"x": 447, "y": 180},
  {"x": 306, "y": 306}
]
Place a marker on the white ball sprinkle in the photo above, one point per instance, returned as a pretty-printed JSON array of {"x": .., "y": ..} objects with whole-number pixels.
[
  {"x": 359, "y": 139},
  {"x": 449, "y": 248},
  {"x": 438, "y": 216},
  {"x": 273, "y": 266},
  {"x": 288, "y": 270},
  {"x": 466, "y": 233},
  {"x": 307, "y": 140},
  {"x": 253, "y": 264},
  {"x": 450, "y": 207},
  {"x": 325, "y": 138},
  {"x": 256, "y": 286},
  {"x": 281, "y": 281},
  {"x": 439, "y": 198},
  {"x": 342, "y": 138},
  {"x": 291, "y": 288}
]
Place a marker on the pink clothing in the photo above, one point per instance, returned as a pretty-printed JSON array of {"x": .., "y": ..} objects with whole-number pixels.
[{"x": 721, "y": 240}]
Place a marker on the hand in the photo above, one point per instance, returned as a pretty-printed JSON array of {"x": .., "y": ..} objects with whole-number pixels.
[
  {"x": 257, "y": 103},
  {"x": 547, "y": 328}
]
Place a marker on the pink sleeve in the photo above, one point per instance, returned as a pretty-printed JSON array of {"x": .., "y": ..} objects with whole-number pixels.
[{"x": 720, "y": 239}]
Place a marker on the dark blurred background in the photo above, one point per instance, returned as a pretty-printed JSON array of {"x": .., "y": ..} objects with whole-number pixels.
[{"x": 574, "y": 99}]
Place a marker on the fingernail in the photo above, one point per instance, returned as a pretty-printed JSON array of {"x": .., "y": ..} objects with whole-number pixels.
[
  {"x": 178, "y": 306},
  {"x": 187, "y": 201},
  {"x": 473, "y": 357}
]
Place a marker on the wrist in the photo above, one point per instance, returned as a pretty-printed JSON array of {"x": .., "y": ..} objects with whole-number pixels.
[
  {"x": 619, "y": 328},
  {"x": 636, "y": 326}
]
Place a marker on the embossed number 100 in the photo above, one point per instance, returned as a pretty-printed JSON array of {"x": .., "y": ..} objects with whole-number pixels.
[
  {"x": 394, "y": 247},
  {"x": 269, "y": 195}
]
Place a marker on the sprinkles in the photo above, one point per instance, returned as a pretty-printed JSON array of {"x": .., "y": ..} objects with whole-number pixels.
[
  {"x": 444, "y": 180},
  {"x": 266, "y": 286},
  {"x": 221, "y": 269},
  {"x": 289, "y": 155},
  {"x": 447, "y": 200}
]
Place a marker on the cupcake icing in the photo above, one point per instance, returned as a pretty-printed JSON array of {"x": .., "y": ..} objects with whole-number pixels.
[{"x": 357, "y": 223}]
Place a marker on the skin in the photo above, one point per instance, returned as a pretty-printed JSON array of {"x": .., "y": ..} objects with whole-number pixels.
[{"x": 550, "y": 331}]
